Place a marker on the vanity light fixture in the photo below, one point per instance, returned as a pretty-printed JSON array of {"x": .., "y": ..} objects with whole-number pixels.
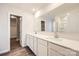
[
  {"x": 68, "y": 14},
  {"x": 33, "y": 9},
  {"x": 37, "y": 14}
]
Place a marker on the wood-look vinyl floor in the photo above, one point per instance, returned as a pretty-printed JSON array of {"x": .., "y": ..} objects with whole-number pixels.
[
  {"x": 20, "y": 52},
  {"x": 17, "y": 50},
  {"x": 14, "y": 44}
]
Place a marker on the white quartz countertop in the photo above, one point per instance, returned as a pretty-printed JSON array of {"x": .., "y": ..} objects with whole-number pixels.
[{"x": 73, "y": 44}]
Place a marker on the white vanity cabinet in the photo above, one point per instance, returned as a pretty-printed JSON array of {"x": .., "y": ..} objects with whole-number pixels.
[
  {"x": 52, "y": 52},
  {"x": 35, "y": 46},
  {"x": 32, "y": 43},
  {"x": 59, "y": 50},
  {"x": 42, "y": 47}
]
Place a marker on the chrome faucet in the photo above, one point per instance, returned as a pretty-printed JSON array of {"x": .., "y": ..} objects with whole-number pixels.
[{"x": 55, "y": 35}]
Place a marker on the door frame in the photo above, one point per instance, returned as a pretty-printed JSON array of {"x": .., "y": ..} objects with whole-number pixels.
[{"x": 20, "y": 29}]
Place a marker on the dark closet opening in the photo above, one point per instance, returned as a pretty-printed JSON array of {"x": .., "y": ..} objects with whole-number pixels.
[
  {"x": 15, "y": 31},
  {"x": 42, "y": 25}
]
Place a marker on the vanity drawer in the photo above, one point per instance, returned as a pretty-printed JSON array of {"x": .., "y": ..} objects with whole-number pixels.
[
  {"x": 51, "y": 52},
  {"x": 43, "y": 42},
  {"x": 62, "y": 50}
]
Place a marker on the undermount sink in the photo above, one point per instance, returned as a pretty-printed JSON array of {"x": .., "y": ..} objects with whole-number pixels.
[
  {"x": 55, "y": 39},
  {"x": 50, "y": 38}
]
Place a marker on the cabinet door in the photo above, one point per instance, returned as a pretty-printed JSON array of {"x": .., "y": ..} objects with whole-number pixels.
[
  {"x": 42, "y": 47},
  {"x": 27, "y": 40},
  {"x": 35, "y": 45},
  {"x": 62, "y": 50},
  {"x": 53, "y": 53},
  {"x": 42, "y": 50},
  {"x": 31, "y": 43}
]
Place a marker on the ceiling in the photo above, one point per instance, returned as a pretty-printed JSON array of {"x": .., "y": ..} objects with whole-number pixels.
[{"x": 27, "y": 6}]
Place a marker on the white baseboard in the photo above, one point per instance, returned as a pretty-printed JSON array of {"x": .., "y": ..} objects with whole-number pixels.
[{"x": 4, "y": 51}]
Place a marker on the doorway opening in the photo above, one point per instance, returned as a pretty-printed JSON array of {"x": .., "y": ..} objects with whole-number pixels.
[
  {"x": 15, "y": 31},
  {"x": 42, "y": 25}
]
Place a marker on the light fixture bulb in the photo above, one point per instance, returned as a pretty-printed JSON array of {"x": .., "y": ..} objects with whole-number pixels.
[
  {"x": 68, "y": 14},
  {"x": 33, "y": 9}
]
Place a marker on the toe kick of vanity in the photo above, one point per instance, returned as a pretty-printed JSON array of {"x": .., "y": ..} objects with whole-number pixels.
[{"x": 45, "y": 47}]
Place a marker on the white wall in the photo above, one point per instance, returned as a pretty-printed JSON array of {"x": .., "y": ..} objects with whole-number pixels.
[
  {"x": 27, "y": 26},
  {"x": 37, "y": 24},
  {"x": 4, "y": 35}
]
